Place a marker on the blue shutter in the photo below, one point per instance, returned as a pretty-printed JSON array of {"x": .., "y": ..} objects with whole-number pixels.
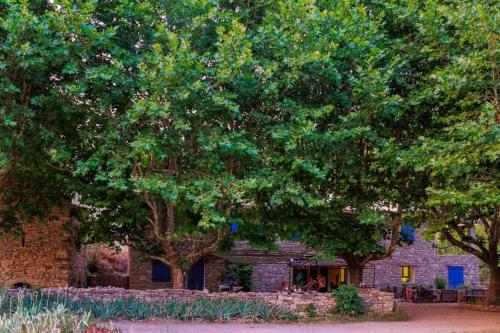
[
  {"x": 455, "y": 276},
  {"x": 160, "y": 272},
  {"x": 407, "y": 234},
  {"x": 234, "y": 227}
]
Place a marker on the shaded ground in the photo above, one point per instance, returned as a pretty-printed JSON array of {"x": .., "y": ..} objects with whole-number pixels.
[{"x": 424, "y": 318}]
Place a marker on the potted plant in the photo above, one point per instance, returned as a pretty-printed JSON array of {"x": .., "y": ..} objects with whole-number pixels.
[{"x": 440, "y": 284}]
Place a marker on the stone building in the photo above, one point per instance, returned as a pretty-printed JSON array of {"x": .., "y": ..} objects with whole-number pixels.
[
  {"x": 44, "y": 256},
  {"x": 291, "y": 265}
]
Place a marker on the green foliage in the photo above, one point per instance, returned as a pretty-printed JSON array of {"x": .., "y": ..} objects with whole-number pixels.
[
  {"x": 32, "y": 317},
  {"x": 349, "y": 303},
  {"x": 300, "y": 279},
  {"x": 459, "y": 151},
  {"x": 335, "y": 120},
  {"x": 440, "y": 282},
  {"x": 239, "y": 275},
  {"x": 311, "y": 310},
  {"x": 134, "y": 309}
]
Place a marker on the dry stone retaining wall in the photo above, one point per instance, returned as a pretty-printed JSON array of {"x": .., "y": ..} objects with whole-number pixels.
[{"x": 378, "y": 302}]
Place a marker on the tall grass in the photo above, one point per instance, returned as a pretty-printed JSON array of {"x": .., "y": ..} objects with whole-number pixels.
[
  {"x": 16, "y": 316},
  {"x": 135, "y": 309}
]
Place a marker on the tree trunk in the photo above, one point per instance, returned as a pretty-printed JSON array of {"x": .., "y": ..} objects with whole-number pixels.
[
  {"x": 494, "y": 287},
  {"x": 355, "y": 271},
  {"x": 178, "y": 278}
]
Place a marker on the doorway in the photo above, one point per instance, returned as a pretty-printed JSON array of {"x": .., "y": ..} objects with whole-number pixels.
[{"x": 196, "y": 276}]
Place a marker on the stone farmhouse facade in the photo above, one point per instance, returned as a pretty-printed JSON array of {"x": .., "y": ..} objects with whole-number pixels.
[
  {"x": 292, "y": 263},
  {"x": 45, "y": 255}
]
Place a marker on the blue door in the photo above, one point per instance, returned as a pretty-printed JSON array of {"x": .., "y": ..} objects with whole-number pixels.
[
  {"x": 455, "y": 276},
  {"x": 196, "y": 276}
]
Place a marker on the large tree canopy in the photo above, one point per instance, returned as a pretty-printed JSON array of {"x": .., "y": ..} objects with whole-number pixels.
[
  {"x": 460, "y": 150},
  {"x": 340, "y": 127},
  {"x": 127, "y": 106},
  {"x": 335, "y": 120}
]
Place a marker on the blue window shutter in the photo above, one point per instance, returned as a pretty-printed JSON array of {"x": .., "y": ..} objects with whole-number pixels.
[
  {"x": 407, "y": 234},
  {"x": 160, "y": 272},
  {"x": 234, "y": 227}
]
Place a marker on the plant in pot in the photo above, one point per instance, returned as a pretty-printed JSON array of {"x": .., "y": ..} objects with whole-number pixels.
[{"x": 440, "y": 284}]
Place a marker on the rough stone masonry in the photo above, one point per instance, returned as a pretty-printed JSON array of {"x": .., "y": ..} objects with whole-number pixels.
[
  {"x": 378, "y": 302},
  {"x": 44, "y": 256}
]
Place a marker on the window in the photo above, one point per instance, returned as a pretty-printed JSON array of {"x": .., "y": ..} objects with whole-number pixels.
[
  {"x": 160, "y": 272},
  {"x": 407, "y": 273},
  {"x": 342, "y": 278}
]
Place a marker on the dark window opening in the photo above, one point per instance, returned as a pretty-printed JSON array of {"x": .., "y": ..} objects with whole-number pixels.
[
  {"x": 21, "y": 285},
  {"x": 160, "y": 272}
]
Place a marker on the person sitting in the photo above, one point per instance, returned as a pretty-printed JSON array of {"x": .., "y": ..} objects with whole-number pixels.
[
  {"x": 311, "y": 283},
  {"x": 321, "y": 283}
]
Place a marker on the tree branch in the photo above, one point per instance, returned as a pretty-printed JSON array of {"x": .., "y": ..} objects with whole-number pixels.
[{"x": 467, "y": 248}]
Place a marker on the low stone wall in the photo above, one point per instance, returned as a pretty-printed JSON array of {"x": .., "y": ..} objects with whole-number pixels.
[{"x": 378, "y": 302}]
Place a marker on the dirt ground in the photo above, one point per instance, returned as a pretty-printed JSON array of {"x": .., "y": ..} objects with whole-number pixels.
[{"x": 423, "y": 318}]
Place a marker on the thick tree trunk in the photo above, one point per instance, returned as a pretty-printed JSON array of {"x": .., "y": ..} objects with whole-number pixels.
[
  {"x": 494, "y": 287},
  {"x": 355, "y": 271},
  {"x": 178, "y": 278}
]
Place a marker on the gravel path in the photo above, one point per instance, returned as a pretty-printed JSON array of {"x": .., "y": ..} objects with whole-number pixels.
[{"x": 424, "y": 318}]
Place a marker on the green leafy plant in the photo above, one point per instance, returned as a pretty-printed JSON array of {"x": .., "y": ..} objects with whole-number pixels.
[
  {"x": 33, "y": 304},
  {"x": 238, "y": 275},
  {"x": 311, "y": 310},
  {"x": 33, "y": 314},
  {"x": 440, "y": 282},
  {"x": 299, "y": 279},
  {"x": 349, "y": 303}
]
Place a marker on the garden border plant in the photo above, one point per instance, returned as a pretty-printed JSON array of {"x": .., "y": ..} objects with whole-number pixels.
[
  {"x": 349, "y": 303},
  {"x": 137, "y": 309}
]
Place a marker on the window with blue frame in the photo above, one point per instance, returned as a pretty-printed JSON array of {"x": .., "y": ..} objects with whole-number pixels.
[
  {"x": 407, "y": 234},
  {"x": 160, "y": 272}
]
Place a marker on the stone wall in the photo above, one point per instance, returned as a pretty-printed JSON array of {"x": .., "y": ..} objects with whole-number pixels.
[
  {"x": 427, "y": 264},
  {"x": 269, "y": 267},
  {"x": 214, "y": 272},
  {"x": 378, "y": 302},
  {"x": 266, "y": 277},
  {"x": 45, "y": 256}
]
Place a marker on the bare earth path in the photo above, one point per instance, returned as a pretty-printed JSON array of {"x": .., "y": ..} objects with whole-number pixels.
[{"x": 424, "y": 318}]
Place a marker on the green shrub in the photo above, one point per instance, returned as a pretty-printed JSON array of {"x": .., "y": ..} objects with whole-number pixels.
[
  {"x": 238, "y": 275},
  {"x": 311, "y": 310},
  {"x": 349, "y": 303},
  {"x": 440, "y": 282}
]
